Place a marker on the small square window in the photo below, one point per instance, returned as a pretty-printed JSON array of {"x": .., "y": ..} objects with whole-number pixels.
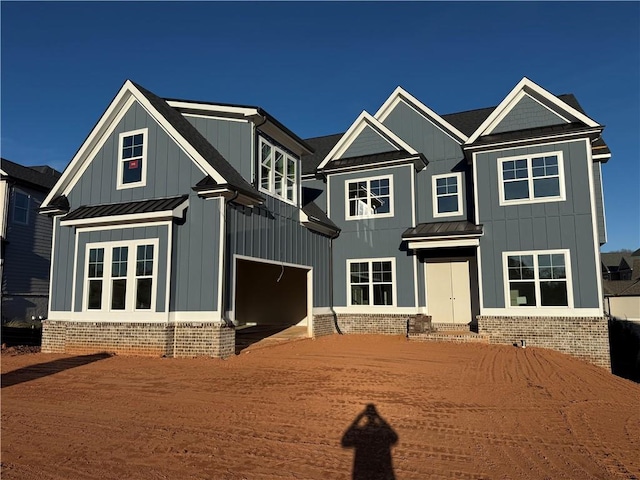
[
  {"x": 132, "y": 159},
  {"x": 531, "y": 179},
  {"x": 447, "y": 195}
]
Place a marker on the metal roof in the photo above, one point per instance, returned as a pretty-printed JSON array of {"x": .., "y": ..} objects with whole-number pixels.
[
  {"x": 126, "y": 208},
  {"x": 439, "y": 229}
]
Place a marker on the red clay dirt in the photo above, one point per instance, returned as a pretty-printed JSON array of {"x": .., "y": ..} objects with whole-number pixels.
[{"x": 282, "y": 412}]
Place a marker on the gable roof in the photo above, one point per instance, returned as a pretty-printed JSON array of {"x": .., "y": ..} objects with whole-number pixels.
[
  {"x": 206, "y": 157},
  {"x": 528, "y": 87},
  {"x": 365, "y": 119},
  {"x": 39, "y": 177}
]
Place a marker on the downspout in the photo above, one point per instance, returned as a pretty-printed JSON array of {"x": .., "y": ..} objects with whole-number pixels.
[
  {"x": 223, "y": 307},
  {"x": 335, "y": 316},
  {"x": 4, "y": 201}
]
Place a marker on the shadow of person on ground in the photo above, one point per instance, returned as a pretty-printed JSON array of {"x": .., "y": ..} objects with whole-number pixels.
[
  {"x": 372, "y": 438},
  {"x": 33, "y": 372}
]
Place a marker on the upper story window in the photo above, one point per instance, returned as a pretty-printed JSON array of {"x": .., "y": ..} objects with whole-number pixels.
[
  {"x": 112, "y": 283},
  {"x": 538, "y": 278},
  {"x": 132, "y": 159},
  {"x": 21, "y": 207},
  {"x": 531, "y": 178},
  {"x": 278, "y": 172},
  {"x": 447, "y": 195},
  {"x": 369, "y": 197}
]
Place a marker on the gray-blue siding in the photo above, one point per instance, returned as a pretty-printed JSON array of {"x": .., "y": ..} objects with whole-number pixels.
[
  {"x": 552, "y": 225},
  {"x": 442, "y": 151},
  {"x": 375, "y": 237},
  {"x": 273, "y": 232},
  {"x": 231, "y": 138},
  {"x": 597, "y": 185},
  {"x": 368, "y": 142},
  {"x": 527, "y": 113}
]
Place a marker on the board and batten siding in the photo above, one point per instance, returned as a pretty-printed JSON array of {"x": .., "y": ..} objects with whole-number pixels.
[
  {"x": 273, "y": 232},
  {"x": 443, "y": 153},
  {"x": 368, "y": 142},
  {"x": 231, "y": 138},
  {"x": 374, "y": 237},
  {"x": 597, "y": 185},
  {"x": 527, "y": 113},
  {"x": 541, "y": 226}
]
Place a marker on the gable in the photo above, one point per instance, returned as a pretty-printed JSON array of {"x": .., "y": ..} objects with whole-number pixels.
[
  {"x": 528, "y": 113},
  {"x": 368, "y": 142},
  {"x": 170, "y": 171},
  {"x": 421, "y": 133}
]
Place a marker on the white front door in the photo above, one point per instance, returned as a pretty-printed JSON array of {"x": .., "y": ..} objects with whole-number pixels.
[{"x": 448, "y": 291}]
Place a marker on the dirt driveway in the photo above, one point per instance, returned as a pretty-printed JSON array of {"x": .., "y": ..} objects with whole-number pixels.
[{"x": 293, "y": 411}]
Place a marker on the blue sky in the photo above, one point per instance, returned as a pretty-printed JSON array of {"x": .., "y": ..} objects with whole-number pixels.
[{"x": 316, "y": 66}]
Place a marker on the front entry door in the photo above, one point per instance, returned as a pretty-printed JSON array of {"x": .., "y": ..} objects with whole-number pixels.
[{"x": 448, "y": 291}]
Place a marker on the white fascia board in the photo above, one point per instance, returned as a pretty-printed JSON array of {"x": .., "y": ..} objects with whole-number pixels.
[
  {"x": 425, "y": 244},
  {"x": 3, "y": 173},
  {"x": 401, "y": 94},
  {"x": 365, "y": 119},
  {"x": 524, "y": 142},
  {"x": 533, "y": 90},
  {"x": 105, "y": 127},
  {"x": 371, "y": 166},
  {"x": 601, "y": 156},
  {"x": 206, "y": 107}
]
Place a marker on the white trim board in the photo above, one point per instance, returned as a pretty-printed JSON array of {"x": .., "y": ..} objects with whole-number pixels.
[
  {"x": 534, "y": 91},
  {"x": 124, "y": 221},
  {"x": 426, "y": 244},
  {"x": 365, "y": 119}
]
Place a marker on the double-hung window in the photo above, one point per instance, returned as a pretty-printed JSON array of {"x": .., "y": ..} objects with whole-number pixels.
[
  {"x": 538, "y": 279},
  {"x": 531, "y": 178},
  {"x": 447, "y": 195},
  {"x": 21, "y": 208},
  {"x": 369, "y": 198},
  {"x": 371, "y": 282},
  {"x": 132, "y": 159},
  {"x": 278, "y": 171},
  {"x": 121, "y": 276}
]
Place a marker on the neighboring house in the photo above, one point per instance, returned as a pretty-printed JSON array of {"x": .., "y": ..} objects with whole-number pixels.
[
  {"x": 177, "y": 217},
  {"x": 25, "y": 240},
  {"x": 621, "y": 273}
]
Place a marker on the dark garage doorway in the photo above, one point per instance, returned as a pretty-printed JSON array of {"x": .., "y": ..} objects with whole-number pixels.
[{"x": 269, "y": 298}]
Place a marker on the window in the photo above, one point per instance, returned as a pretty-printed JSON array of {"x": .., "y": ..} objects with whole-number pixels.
[
  {"x": 132, "y": 158},
  {"x": 21, "y": 208},
  {"x": 447, "y": 195},
  {"x": 531, "y": 179},
  {"x": 368, "y": 198},
  {"x": 121, "y": 287},
  {"x": 538, "y": 279},
  {"x": 278, "y": 172},
  {"x": 371, "y": 282}
]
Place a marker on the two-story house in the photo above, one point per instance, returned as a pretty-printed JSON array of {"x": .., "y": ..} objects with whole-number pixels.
[
  {"x": 25, "y": 239},
  {"x": 176, "y": 218}
]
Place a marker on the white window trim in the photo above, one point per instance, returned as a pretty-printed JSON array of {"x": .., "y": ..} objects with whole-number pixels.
[
  {"x": 145, "y": 142},
  {"x": 15, "y": 206},
  {"x": 434, "y": 191},
  {"x": 528, "y": 157},
  {"x": 271, "y": 191},
  {"x": 393, "y": 282},
  {"x": 131, "y": 276},
  {"x": 546, "y": 310},
  {"x": 347, "y": 215}
]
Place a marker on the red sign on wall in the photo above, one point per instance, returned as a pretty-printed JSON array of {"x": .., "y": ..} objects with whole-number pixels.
[{"x": 133, "y": 164}]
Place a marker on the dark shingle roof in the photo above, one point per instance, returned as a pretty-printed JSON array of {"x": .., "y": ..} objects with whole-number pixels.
[
  {"x": 315, "y": 213},
  {"x": 439, "y": 229},
  {"x": 418, "y": 160},
  {"x": 195, "y": 139},
  {"x": 125, "y": 208},
  {"x": 321, "y": 146},
  {"x": 621, "y": 287},
  {"x": 40, "y": 177},
  {"x": 531, "y": 133}
]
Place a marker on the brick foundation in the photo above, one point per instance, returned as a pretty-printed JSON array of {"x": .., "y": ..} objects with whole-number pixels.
[
  {"x": 149, "y": 339},
  {"x": 388, "y": 324},
  {"x": 323, "y": 325},
  {"x": 586, "y": 338}
]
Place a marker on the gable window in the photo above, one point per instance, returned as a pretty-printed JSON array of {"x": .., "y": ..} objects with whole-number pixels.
[
  {"x": 447, "y": 195},
  {"x": 369, "y": 197},
  {"x": 21, "y": 208},
  {"x": 132, "y": 159},
  {"x": 371, "y": 282},
  {"x": 278, "y": 171},
  {"x": 538, "y": 279},
  {"x": 121, "y": 286},
  {"x": 531, "y": 178}
]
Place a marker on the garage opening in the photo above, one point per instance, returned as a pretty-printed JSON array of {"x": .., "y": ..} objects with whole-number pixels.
[{"x": 271, "y": 302}]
